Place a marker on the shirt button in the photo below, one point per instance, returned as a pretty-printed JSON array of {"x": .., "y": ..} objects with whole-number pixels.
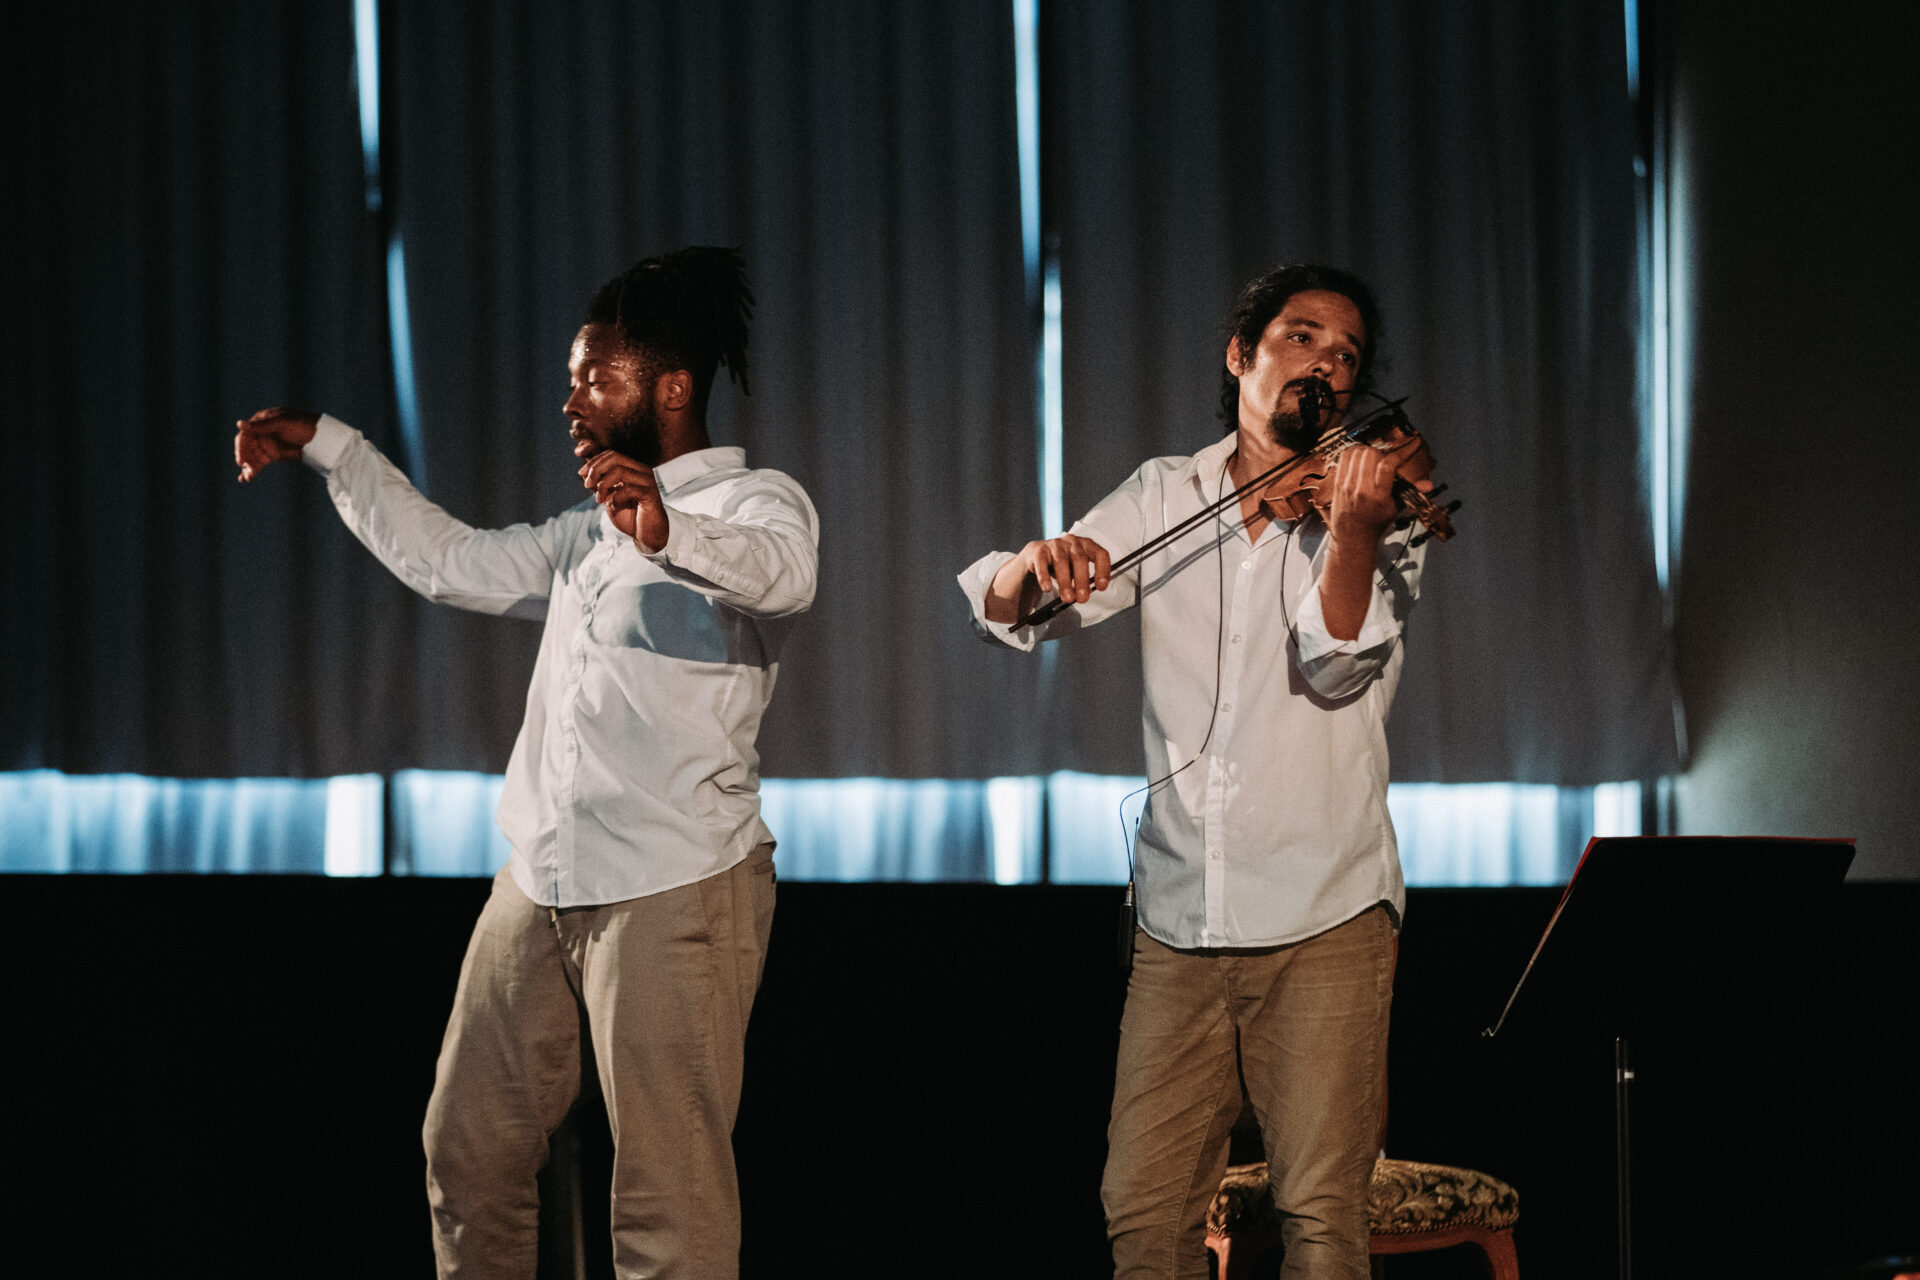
[
  {"x": 1236, "y": 639},
  {"x": 1246, "y": 564},
  {"x": 1213, "y": 855},
  {"x": 1226, "y": 706}
]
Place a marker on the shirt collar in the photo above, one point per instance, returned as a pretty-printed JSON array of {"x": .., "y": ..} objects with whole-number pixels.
[
  {"x": 1210, "y": 459},
  {"x": 1207, "y": 469},
  {"x": 1210, "y": 463},
  {"x": 672, "y": 474}
]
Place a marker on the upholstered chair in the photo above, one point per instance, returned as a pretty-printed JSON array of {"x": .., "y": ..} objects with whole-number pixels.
[{"x": 1411, "y": 1207}]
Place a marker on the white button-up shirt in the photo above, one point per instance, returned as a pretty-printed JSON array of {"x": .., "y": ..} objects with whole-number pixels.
[
  {"x": 1279, "y": 829},
  {"x": 635, "y": 769}
]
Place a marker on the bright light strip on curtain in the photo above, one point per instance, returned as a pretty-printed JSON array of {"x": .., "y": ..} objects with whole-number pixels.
[
  {"x": 829, "y": 829},
  {"x": 355, "y": 825},
  {"x": 1632, "y": 15},
  {"x": 133, "y": 825},
  {"x": 1665, "y": 441},
  {"x": 366, "y": 46},
  {"x": 1671, "y": 283},
  {"x": 400, "y": 332},
  {"x": 366, "y": 74},
  {"x": 1053, "y": 502},
  {"x": 1026, "y": 100},
  {"x": 1662, "y": 376},
  {"x": 443, "y": 823},
  {"x": 1042, "y": 267},
  {"x": 1014, "y": 806},
  {"x": 1617, "y": 809}
]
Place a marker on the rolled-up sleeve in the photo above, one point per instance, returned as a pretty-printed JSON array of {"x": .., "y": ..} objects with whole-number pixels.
[
  {"x": 1340, "y": 668},
  {"x": 1116, "y": 524},
  {"x": 976, "y": 580},
  {"x": 760, "y": 556}
]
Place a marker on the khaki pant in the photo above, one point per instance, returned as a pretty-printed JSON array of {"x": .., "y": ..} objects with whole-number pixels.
[
  {"x": 1306, "y": 1024},
  {"x": 662, "y": 986}
]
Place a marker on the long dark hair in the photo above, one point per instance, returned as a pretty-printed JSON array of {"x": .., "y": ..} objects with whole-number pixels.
[{"x": 1263, "y": 299}]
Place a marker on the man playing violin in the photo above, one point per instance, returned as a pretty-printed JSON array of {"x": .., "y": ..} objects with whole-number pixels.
[{"x": 1266, "y": 874}]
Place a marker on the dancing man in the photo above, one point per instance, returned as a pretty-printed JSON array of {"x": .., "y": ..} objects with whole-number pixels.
[{"x": 636, "y": 906}]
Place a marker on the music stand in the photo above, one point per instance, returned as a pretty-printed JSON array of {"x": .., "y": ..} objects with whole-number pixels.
[{"x": 1628, "y": 935}]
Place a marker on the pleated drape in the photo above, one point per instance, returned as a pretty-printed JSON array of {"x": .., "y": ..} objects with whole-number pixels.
[{"x": 192, "y": 239}]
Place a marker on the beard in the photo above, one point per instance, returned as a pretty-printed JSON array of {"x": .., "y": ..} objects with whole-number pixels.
[
  {"x": 1288, "y": 429},
  {"x": 638, "y": 434}
]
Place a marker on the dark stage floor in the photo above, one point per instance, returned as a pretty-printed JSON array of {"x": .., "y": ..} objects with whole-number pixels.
[{"x": 225, "y": 1076}]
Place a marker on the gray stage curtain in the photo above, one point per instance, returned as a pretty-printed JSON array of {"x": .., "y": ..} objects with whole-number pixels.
[
  {"x": 863, "y": 156},
  {"x": 1474, "y": 162},
  {"x": 200, "y": 186},
  {"x": 186, "y": 239},
  {"x": 197, "y": 243}
]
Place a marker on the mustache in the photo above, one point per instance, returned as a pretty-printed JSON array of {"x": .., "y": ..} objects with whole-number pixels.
[
  {"x": 1316, "y": 407},
  {"x": 1338, "y": 399}
]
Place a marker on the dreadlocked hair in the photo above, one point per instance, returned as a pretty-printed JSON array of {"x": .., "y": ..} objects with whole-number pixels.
[{"x": 687, "y": 309}]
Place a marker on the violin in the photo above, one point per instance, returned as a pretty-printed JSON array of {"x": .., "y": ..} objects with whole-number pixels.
[
  {"x": 1297, "y": 495},
  {"x": 1292, "y": 488}
]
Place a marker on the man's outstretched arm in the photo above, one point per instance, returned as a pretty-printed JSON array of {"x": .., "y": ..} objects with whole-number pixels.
[{"x": 447, "y": 561}]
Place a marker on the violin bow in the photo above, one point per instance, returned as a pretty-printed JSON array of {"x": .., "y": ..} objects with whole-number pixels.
[{"x": 1357, "y": 433}]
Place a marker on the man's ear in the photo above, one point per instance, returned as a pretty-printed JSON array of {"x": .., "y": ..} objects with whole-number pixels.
[
  {"x": 1235, "y": 365},
  {"x": 674, "y": 390}
]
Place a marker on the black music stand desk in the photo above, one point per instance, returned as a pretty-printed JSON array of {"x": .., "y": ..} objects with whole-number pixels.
[{"x": 1646, "y": 921}]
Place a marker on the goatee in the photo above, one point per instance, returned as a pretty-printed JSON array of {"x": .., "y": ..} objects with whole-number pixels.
[{"x": 1288, "y": 430}]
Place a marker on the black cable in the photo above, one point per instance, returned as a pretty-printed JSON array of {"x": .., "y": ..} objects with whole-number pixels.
[
  {"x": 1219, "y": 661},
  {"x": 1355, "y": 432},
  {"x": 1129, "y": 839}
]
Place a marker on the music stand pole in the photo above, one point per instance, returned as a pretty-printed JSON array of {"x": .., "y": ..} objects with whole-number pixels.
[{"x": 1623, "y": 1149}]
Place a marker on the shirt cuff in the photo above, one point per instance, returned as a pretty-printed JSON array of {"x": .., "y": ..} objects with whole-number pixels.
[
  {"x": 331, "y": 439},
  {"x": 680, "y": 543},
  {"x": 1316, "y": 642},
  {"x": 976, "y": 580}
]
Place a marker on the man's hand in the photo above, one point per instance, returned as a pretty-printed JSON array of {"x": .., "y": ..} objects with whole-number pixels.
[
  {"x": 1362, "y": 504},
  {"x": 631, "y": 496},
  {"x": 270, "y": 436},
  {"x": 1074, "y": 566},
  {"x": 1358, "y": 512}
]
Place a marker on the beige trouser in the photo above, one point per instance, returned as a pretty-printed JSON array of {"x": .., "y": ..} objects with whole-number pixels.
[
  {"x": 662, "y": 985},
  {"x": 1306, "y": 1025}
]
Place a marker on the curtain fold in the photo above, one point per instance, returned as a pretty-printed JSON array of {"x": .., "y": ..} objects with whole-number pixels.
[
  {"x": 197, "y": 242},
  {"x": 199, "y": 186},
  {"x": 1474, "y": 163},
  {"x": 188, "y": 241},
  {"x": 863, "y": 156}
]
